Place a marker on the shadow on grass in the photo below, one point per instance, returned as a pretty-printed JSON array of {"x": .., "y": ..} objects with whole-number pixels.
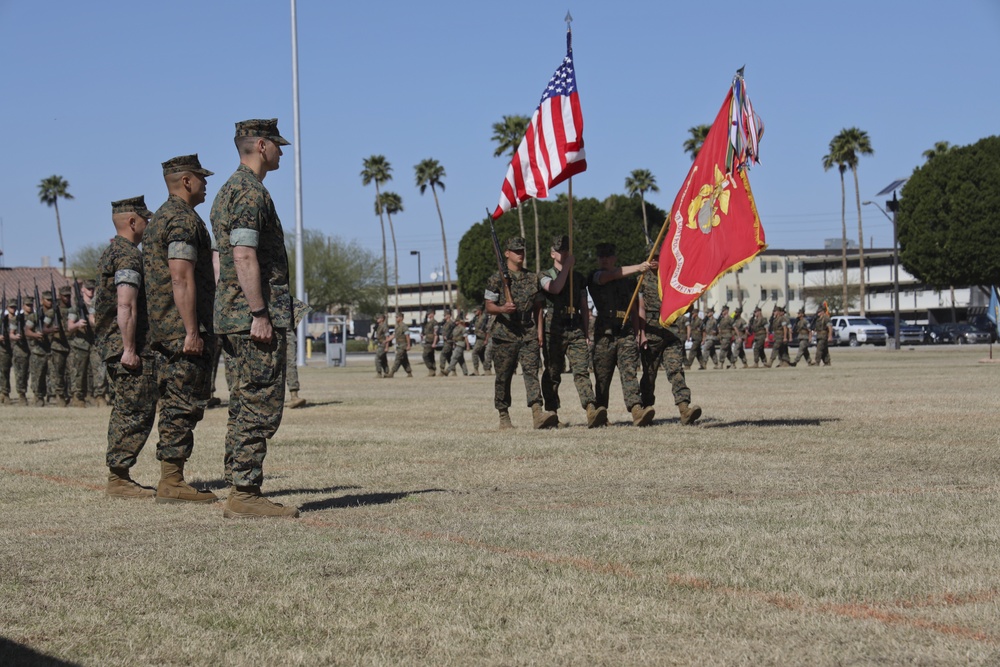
[
  {"x": 362, "y": 500},
  {"x": 819, "y": 421},
  {"x": 309, "y": 404},
  {"x": 12, "y": 653}
]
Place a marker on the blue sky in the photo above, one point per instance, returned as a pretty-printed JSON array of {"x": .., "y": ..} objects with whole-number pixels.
[{"x": 102, "y": 92}]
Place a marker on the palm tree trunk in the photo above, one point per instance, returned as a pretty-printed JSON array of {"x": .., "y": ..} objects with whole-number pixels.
[
  {"x": 385, "y": 258},
  {"x": 395, "y": 259},
  {"x": 843, "y": 241},
  {"x": 861, "y": 245},
  {"x": 444, "y": 244},
  {"x": 520, "y": 219},
  {"x": 538, "y": 248},
  {"x": 645, "y": 223},
  {"x": 62, "y": 245}
]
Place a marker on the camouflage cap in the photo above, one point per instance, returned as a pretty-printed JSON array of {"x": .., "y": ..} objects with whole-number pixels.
[
  {"x": 725, "y": 307},
  {"x": 606, "y": 250},
  {"x": 560, "y": 243},
  {"x": 515, "y": 243},
  {"x": 65, "y": 289},
  {"x": 131, "y": 205},
  {"x": 47, "y": 295},
  {"x": 28, "y": 301},
  {"x": 802, "y": 311},
  {"x": 651, "y": 247},
  {"x": 181, "y": 163},
  {"x": 261, "y": 127},
  {"x": 90, "y": 283},
  {"x": 710, "y": 309}
]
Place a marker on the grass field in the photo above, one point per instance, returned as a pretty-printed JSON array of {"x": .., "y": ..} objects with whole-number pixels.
[{"x": 816, "y": 516}]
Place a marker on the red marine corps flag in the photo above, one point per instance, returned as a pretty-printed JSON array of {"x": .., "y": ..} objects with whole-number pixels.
[
  {"x": 714, "y": 226},
  {"x": 552, "y": 148}
]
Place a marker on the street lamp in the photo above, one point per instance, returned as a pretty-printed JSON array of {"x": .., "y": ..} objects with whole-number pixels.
[
  {"x": 892, "y": 205},
  {"x": 420, "y": 286}
]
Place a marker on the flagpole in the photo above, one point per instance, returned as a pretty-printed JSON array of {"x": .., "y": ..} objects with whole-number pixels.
[
  {"x": 652, "y": 251},
  {"x": 571, "y": 312}
]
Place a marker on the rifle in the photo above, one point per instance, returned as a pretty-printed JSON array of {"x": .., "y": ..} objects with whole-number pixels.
[
  {"x": 5, "y": 319},
  {"x": 56, "y": 315},
  {"x": 81, "y": 307},
  {"x": 39, "y": 313},
  {"x": 19, "y": 317},
  {"x": 501, "y": 261}
]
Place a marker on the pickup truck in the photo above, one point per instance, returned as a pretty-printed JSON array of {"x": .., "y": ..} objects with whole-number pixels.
[{"x": 854, "y": 330}]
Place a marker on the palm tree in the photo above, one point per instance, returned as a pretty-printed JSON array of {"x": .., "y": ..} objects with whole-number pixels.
[
  {"x": 508, "y": 134},
  {"x": 853, "y": 143},
  {"x": 829, "y": 160},
  {"x": 391, "y": 203},
  {"x": 940, "y": 148},
  {"x": 694, "y": 143},
  {"x": 430, "y": 173},
  {"x": 50, "y": 190},
  {"x": 639, "y": 183},
  {"x": 378, "y": 170}
]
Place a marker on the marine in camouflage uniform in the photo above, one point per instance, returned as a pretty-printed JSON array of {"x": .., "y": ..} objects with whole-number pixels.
[
  {"x": 480, "y": 325},
  {"x": 803, "y": 335},
  {"x": 611, "y": 287},
  {"x": 739, "y": 336},
  {"x": 459, "y": 343},
  {"x": 823, "y": 336},
  {"x": 21, "y": 355},
  {"x": 180, "y": 291},
  {"x": 38, "y": 346},
  {"x": 515, "y": 335},
  {"x": 758, "y": 324},
  {"x": 781, "y": 327},
  {"x": 447, "y": 343},
  {"x": 253, "y": 315},
  {"x": 381, "y": 338},
  {"x": 98, "y": 376},
  {"x": 131, "y": 364},
  {"x": 81, "y": 342},
  {"x": 54, "y": 326},
  {"x": 292, "y": 360},
  {"x": 429, "y": 338},
  {"x": 726, "y": 357},
  {"x": 695, "y": 333},
  {"x": 7, "y": 324},
  {"x": 711, "y": 337},
  {"x": 664, "y": 345},
  {"x": 401, "y": 338},
  {"x": 566, "y": 330}
]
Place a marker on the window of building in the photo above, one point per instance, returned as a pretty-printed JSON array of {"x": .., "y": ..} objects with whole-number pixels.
[
  {"x": 763, "y": 266},
  {"x": 774, "y": 267},
  {"x": 763, "y": 294},
  {"x": 729, "y": 294},
  {"x": 774, "y": 295}
]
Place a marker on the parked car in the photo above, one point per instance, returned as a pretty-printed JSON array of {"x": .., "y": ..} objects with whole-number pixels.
[
  {"x": 982, "y": 321},
  {"x": 924, "y": 334},
  {"x": 854, "y": 330},
  {"x": 966, "y": 333},
  {"x": 889, "y": 323}
]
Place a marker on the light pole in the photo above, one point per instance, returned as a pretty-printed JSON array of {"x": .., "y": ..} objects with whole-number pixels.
[
  {"x": 892, "y": 205},
  {"x": 420, "y": 286}
]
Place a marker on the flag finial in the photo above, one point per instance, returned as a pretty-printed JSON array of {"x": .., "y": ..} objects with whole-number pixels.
[{"x": 569, "y": 20}]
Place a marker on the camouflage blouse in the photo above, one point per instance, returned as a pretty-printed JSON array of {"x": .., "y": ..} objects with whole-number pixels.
[
  {"x": 121, "y": 264},
  {"x": 244, "y": 214},
  {"x": 524, "y": 292},
  {"x": 650, "y": 293}
]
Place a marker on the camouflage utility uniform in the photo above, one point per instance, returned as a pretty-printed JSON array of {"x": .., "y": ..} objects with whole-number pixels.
[
  {"x": 6, "y": 355},
  {"x": 614, "y": 342},
  {"x": 39, "y": 360},
  {"x": 447, "y": 344},
  {"x": 758, "y": 324},
  {"x": 664, "y": 345},
  {"x": 565, "y": 338},
  {"x": 803, "y": 335},
  {"x": 726, "y": 340},
  {"x": 779, "y": 352},
  {"x": 430, "y": 327},
  {"x": 711, "y": 338},
  {"x": 739, "y": 336},
  {"x": 822, "y": 325},
  {"x": 20, "y": 358},
  {"x": 515, "y": 337},
  {"x": 401, "y": 339},
  {"x": 381, "y": 349},
  {"x": 55, "y": 321},
  {"x": 133, "y": 406},
  {"x": 177, "y": 232},
  {"x": 243, "y": 214},
  {"x": 81, "y": 344},
  {"x": 481, "y": 327},
  {"x": 459, "y": 343},
  {"x": 695, "y": 331}
]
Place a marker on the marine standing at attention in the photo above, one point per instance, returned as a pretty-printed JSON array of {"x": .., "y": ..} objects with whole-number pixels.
[{"x": 253, "y": 313}]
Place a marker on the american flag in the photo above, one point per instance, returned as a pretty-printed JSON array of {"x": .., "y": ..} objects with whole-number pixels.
[{"x": 552, "y": 148}]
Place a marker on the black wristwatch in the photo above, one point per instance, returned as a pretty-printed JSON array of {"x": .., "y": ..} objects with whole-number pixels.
[{"x": 259, "y": 313}]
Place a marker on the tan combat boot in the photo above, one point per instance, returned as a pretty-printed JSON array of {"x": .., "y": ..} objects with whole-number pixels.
[
  {"x": 505, "y": 421},
  {"x": 101, "y": 402},
  {"x": 246, "y": 502},
  {"x": 22, "y": 399},
  {"x": 541, "y": 419},
  {"x": 77, "y": 403},
  {"x": 121, "y": 485},
  {"x": 596, "y": 417},
  {"x": 431, "y": 374},
  {"x": 294, "y": 400},
  {"x": 173, "y": 489},
  {"x": 642, "y": 416},
  {"x": 4, "y": 399},
  {"x": 689, "y": 413}
]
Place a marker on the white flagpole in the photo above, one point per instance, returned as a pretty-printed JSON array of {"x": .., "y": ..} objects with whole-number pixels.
[{"x": 300, "y": 280}]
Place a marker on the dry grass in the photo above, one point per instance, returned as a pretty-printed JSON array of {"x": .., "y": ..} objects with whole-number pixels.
[{"x": 842, "y": 515}]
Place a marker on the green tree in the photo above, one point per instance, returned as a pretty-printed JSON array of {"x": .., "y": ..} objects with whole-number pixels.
[
  {"x": 851, "y": 144},
  {"x": 340, "y": 275},
  {"x": 831, "y": 159},
  {"x": 391, "y": 203},
  {"x": 430, "y": 173},
  {"x": 50, "y": 191},
  {"x": 639, "y": 183},
  {"x": 940, "y": 148},
  {"x": 948, "y": 216},
  {"x": 83, "y": 263},
  {"x": 377, "y": 170},
  {"x": 508, "y": 134},
  {"x": 694, "y": 142}
]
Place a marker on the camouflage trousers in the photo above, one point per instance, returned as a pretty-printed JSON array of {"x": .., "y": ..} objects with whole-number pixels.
[
  {"x": 780, "y": 352},
  {"x": 708, "y": 348},
  {"x": 57, "y": 374},
  {"x": 445, "y": 357},
  {"x": 822, "y": 351},
  {"x": 759, "y": 353},
  {"x": 38, "y": 366},
  {"x": 402, "y": 359},
  {"x": 667, "y": 350},
  {"x": 479, "y": 355},
  {"x": 695, "y": 353},
  {"x": 21, "y": 361},
  {"x": 741, "y": 352},
  {"x": 507, "y": 354},
  {"x": 98, "y": 373},
  {"x": 256, "y": 404},
  {"x": 559, "y": 346},
  {"x": 133, "y": 409},
  {"x": 6, "y": 363},
  {"x": 428, "y": 357},
  {"x": 621, "y": 351},
  {"x": 457, "y": 359},
  {"x": 184, "y": 384},
  {"x": 803, "y": 352},
  {"x": 381, "y": 360},
  {"x": 726, "y": 351},
  {"x": 292, "y": 362},
  {"x": 78, "y": 368}
]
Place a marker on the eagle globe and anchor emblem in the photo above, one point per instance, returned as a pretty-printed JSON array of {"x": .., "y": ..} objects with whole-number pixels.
[{"x": 703, "y": 212}]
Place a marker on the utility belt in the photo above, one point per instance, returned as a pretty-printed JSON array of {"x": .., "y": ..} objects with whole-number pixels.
[
  {"x": 567, "y": 319},
  {"x": 519, "y": 318}
]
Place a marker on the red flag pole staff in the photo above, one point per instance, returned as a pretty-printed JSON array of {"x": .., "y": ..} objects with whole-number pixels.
[{"x": 652, "y": 252}]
